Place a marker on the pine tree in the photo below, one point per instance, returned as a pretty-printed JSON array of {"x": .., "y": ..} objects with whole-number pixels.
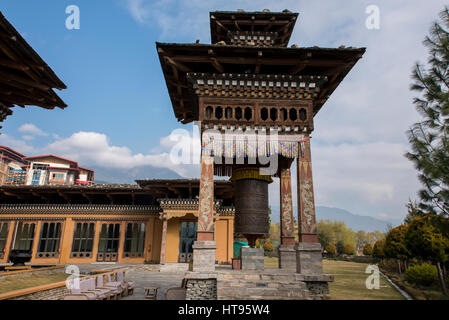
[{"x": 429, "y": 138}]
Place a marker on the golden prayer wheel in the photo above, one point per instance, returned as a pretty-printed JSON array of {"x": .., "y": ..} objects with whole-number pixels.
[{"x": 251, "y": 204}]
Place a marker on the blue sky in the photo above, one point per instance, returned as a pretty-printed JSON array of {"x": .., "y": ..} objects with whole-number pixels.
[
  {"x": 110, "y": 67},
  {"x": 120, "y": 115}
]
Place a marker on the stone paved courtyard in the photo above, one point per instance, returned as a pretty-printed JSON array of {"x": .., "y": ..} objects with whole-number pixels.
[{"x": 143, "y": 276}]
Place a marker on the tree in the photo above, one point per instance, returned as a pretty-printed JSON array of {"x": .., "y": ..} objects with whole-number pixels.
[
  {"x": 331, "y": 249},
  {"x": 275, "y": 234},
  {"x": 349, "y": 249},
  {"x": 378, "y": 249},
  {"x": 335, "y": 231},
  {"x": 362, "y": 239},
  {"x": 368, "y": 249},
  {"x": 340, "y": 247},
  {"x": 426, "y": 242},
  {"x": 429, "y": 137},
  {"x": 324, "y": 238},
  {"x": 413, "y": 211},
  {"x": 395, "y": 246}
]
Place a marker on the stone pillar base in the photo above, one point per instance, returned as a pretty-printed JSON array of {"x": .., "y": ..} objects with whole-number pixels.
[
  {"x": 252, "y": 258},
  {"x": 316, "y": 286},
  {"x": 204, "y": 256},
  {"x": 287, "y": 258},
  {"x": 309, "y": 258},
  {"x": 201, "y": 286}
]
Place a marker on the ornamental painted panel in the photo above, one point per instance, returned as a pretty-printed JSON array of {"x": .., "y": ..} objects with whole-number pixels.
[
  {"x": 206, "y": 198},
  {"x": 307, "y": 218},
  {"x": 287, "y": 222}
]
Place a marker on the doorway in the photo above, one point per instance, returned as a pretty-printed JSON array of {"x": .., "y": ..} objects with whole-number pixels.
[{"x": 186, "y": 239}]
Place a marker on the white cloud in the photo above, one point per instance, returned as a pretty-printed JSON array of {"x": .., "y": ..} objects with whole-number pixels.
[
  {"x": 93, "y": 148},
  {"x": 31, "y": 130},
  {"x": 17, "y": 144},
  {"x": 138, "y": 10}
]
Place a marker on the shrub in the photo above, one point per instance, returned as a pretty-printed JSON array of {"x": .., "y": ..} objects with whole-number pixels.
[
  {"x": 348, "y": 249},
  {"x": 368, "y": 249},
  {"x": 268, "y": 246},
  {"x": 422, "y": 274},
  {"x": 378, "y": 249},
  {"x": 331, "y": 249}
]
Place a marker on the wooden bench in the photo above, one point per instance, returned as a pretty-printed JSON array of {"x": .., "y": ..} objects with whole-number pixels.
[{"x": 151, "y": 293}]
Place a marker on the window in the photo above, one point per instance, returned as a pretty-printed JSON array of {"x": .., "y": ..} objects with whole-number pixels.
[
  {"x": 24, "y": 236},
  {"x": 83, "y": 240},
  {"x": 134, "y": 240},
  {"x": 36, "y": 177},
  {"x": 58, "y": 176},
  {"x": 3, "y": 237},
  {"x": 108, "y": 243},
  {"x": 49, "y": 242}
]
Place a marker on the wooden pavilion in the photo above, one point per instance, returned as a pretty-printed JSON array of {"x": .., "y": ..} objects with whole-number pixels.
[{"x": 248, "y": 79}]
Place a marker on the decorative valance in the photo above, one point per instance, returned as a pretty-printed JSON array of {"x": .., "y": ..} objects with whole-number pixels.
[{"x": 251, "y": 145}]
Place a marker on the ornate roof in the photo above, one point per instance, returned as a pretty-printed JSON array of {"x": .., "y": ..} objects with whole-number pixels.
[
  {"x": 25, "y": 79},
  {"x": 181, "y": 61}
]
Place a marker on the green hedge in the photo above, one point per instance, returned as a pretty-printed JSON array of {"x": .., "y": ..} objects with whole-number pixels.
[{"x": 422, "y": 274}]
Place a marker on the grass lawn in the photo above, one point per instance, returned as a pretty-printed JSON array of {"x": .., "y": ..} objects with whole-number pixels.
[
  {"x": 349, "y": 281},
  {"x": 23, "y": 281}
]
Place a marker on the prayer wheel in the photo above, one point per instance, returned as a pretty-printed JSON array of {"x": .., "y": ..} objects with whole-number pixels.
[{"x": 251, "y": 204}]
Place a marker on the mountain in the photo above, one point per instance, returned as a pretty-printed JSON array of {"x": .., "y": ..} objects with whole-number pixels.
[
  {"x": 114, "y": 175},
  {"x": 354, "y": 221}
]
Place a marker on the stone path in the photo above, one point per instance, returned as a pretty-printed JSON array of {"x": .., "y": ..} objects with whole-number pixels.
[{"x": 143, "y": 276}]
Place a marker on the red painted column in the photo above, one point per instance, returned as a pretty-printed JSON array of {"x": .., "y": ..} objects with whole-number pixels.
[
  {"x": 206, "y": 200},
  {"x": 306, "y": 204},
  {"x": 287, "y": 222}
]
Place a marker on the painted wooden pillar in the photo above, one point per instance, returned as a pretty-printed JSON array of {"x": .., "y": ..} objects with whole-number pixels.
[
  {"x": 66, "y": 240},
  {"x": 204, "y": 248},
  {"x": 121, "y": 242},
  {"x": 206, "y": 200},
  {"x": 37, "y": 235},
  {"x": 98, "y": 225},
  {"x": 287, "y": 221},
  {"x": 164, "y": 240},
  {"x": 306, "y": 204}
]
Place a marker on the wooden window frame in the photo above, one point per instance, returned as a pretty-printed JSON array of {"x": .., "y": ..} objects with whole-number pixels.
[
  {"x": 133, "y": 239},
  {"x": 4, "y": 231},
  {"x": 49, "y": 240},
  {"x": 85, "y": 237}
]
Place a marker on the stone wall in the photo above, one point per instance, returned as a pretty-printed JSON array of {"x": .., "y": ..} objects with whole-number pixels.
[
  {"x": 252, "y": 258},
  {"x": 201, "y": 289},
  {"x": 318, "y": 290},
  {"x": 52, "y": 294},
  {"x": 271, "y": 285}
]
